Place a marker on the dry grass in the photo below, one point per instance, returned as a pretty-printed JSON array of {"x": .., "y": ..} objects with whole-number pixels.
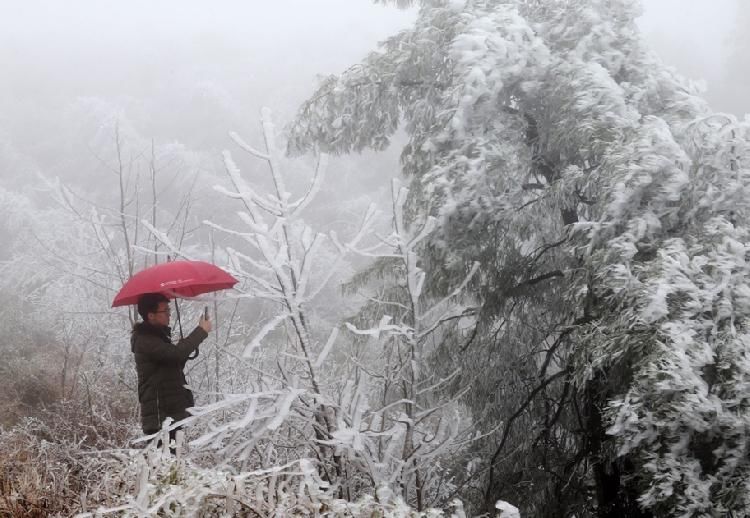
[{"x": 54, "y": 464}]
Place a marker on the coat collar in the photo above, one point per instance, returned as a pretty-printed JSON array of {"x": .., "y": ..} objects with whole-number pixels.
[{"x": 144, "y": 328}]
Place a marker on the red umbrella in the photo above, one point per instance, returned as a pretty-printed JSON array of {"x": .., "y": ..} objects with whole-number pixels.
[{"x": 175, "y": 279}]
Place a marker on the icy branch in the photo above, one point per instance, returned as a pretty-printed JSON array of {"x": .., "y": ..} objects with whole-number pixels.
[
  {"x": 327, "y": 349},
  {"x": 270, "y": 326},
  {"x": 241, "y": 143}
]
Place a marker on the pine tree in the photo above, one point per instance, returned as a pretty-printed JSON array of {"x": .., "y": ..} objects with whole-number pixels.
[{"x": 606, "y": 205}]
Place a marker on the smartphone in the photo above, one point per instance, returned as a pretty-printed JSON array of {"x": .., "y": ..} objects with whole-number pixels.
[{"x": 205, "y": 313}]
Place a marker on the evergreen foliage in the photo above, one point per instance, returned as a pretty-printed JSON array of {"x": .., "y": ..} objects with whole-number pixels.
[{"x": 606, "y": 204}]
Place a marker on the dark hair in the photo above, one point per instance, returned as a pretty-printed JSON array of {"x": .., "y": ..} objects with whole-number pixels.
[{"x": 149, "y": 303}]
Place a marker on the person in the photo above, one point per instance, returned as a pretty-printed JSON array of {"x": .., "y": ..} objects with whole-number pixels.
[{"x": 160, "y": 364}]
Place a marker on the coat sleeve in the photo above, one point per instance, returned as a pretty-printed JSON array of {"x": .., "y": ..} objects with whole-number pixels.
[{"x": 159, "y": 351}]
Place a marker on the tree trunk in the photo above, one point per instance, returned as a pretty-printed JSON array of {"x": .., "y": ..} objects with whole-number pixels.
[{"x": 616, "y": 495}]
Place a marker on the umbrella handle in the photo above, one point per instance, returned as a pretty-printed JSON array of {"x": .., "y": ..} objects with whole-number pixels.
[{"x": 179, "y": 321}]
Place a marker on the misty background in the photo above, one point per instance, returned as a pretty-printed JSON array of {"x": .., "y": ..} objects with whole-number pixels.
[{"x": 184, "y": 74}]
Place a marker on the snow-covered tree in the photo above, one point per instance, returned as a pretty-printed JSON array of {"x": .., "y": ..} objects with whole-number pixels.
[
  {"x": 607, "y": 206},
  {"x": 407, "y": 424},
  {"x": 284, "y": 263},
  {"x": 311, "y": 419}
]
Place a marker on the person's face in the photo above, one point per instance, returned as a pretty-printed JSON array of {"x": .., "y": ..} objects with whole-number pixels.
[{"x": 160, "y": 317}]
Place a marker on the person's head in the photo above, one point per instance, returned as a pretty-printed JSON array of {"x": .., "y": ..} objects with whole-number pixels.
[{"x": 154, "y": 309}]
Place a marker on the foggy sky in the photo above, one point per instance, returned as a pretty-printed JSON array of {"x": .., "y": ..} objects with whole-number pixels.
[
  {"x": 129, "y": 48},
  {"x": 696, "y": 37},
  {"x": 189, "y": 71}
]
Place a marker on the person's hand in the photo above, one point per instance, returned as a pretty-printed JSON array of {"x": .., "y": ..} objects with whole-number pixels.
[{"x": 205, "y": 323}]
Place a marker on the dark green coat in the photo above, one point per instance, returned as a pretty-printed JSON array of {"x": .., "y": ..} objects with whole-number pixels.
[{"x": 161, "y": 379}]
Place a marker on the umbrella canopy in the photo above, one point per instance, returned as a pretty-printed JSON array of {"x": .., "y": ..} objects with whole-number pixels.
[{"x": 175, "y": 279}]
